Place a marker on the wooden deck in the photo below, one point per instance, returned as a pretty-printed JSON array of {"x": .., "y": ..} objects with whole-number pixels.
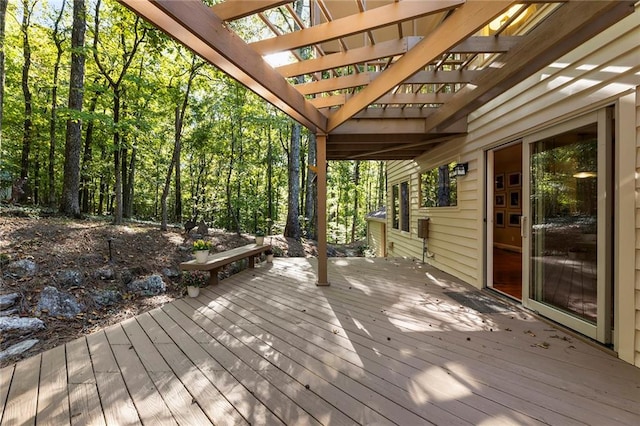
[{"x": 382, "y": 345}]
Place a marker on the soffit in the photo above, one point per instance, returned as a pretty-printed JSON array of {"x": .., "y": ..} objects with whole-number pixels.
[{"x": 384, "y": 79}]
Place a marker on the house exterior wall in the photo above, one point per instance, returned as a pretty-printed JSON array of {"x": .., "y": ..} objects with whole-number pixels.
[
  {"x": 604, "y": 71},
  {"x": 375, "y": 236}
]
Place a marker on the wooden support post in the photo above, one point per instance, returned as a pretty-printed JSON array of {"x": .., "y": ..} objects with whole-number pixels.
[
  {"x": 321, "y": 163},
  {"x": 213, "y": 276}
]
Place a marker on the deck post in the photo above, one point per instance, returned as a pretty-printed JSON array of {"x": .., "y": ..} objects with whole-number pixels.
[{"x": 321, "y": 163}]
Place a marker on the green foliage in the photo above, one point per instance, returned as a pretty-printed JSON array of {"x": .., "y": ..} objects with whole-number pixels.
[{"x": 229, "y": 134}]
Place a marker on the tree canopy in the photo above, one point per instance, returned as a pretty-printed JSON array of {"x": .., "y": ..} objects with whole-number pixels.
[{"x": 158, "y": 123}]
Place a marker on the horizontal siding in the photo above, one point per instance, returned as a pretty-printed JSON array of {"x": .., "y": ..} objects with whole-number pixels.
[
  {"x": 636, "y": 345},
  {"x": 452, "y": 230},
  {"x": 590, "y": 77},
  {"x": 376, "y": 240}
]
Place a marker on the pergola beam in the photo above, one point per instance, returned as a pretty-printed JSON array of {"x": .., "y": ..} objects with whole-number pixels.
[
  {"x": 464, "y": 21},
  {"x": 197, "y": 27},
  {"x": 350, "y": 57},
  {"x": 392, "y": 48},
  {"x": 362, "y": 79},
  {"x": 361, "y": 22},
  {"x": 392, "y": 99},
  {"x": 230, "y": 10},
  {"x": 394, "y": 126},
  {"x": 570, "y": 26}
]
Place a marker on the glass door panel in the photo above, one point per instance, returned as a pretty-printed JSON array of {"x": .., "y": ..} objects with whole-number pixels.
[
  {"x": 564, "y": 222},
  {"x": 567, "y": 223}
]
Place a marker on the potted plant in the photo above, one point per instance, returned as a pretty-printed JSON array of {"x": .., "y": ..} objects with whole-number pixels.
[
  {"x": 201, "y": 250},
  {"x": 259, "y": 237},
  {"x": 193, "y": 280},
  {"x": 269, "y": 254}
]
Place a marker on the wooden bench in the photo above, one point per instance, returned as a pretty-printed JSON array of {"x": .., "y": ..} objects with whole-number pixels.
[{"x": 216, "y": 261}]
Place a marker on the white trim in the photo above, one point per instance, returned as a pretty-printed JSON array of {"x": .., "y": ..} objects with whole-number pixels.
[{"x": 625, "y": 249}]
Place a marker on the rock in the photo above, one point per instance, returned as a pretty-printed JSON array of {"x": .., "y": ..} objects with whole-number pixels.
[
  {"x": 9, "y": 312},
  {"x": 58, "y": 303},
  {"x": 21, "y": 325},
  {"x": 107, "y": 297},
  {"x": 171, "y": 272},
  {"x": 203, "y": 229},
  {"x": 8, "y": 300},
  {"x": 105, "y": 274},
  {"x": 69, "y": 278},
  {"x": 149, "y": 286},
  {"x": 126, "y": 276},
  {"x": 18, "y": 348},
  {"x": 22, "y": 268}
]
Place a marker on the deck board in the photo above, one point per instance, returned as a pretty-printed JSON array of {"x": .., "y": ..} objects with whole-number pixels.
[
  {"x": 21, "y": 405},
  {"x": 383, "y": 344},
  {"x": 53, "y": 397}
]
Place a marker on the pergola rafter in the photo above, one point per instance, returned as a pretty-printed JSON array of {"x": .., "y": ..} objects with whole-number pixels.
[{"x": 385, "y": 79}]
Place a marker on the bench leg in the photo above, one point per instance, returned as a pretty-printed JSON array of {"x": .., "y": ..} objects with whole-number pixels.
[
  {"x": 252, "y": 262},
  {"x": 213, "y": 276}
]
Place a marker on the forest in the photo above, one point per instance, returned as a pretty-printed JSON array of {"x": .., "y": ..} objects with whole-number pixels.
[{"x": 102, "y": 114}]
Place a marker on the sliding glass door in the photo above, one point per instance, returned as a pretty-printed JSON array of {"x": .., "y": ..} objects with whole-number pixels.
[{"x": 566, "y": 224}]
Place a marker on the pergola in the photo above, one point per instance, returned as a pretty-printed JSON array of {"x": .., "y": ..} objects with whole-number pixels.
[{"x": 380, "y": 79}]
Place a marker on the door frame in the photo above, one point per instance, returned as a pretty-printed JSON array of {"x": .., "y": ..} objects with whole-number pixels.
[
  {"x": 490, "y": 211},
  {"x": 602, "y": 330}
]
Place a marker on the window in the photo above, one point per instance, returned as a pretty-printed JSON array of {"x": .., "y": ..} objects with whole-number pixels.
[
  {"x": 395, "y": 202},
  {"x": 400, "y": 203},
  {"x": 404, "y": 207},
  {"x": 438, "y": 188}
]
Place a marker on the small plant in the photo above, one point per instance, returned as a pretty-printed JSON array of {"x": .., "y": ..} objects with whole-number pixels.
[
  {"x": 201, "y": 245},
  {"x": 194, "y": 279},
  {"x": 259, "y": 233}
]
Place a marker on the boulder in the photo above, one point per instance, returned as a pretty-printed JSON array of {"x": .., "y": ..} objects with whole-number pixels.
[
  {"x": 8, "y": 300},
  {"x": 126, "y": 276},
  {"x": 105, "y": 274},
  {"x": 22, "y": 268},
  {"x": 107, "y": 297},
  {"x": 18, "y": 348},
  {"x": 171, "y": 272},
  {"x": 58, "y": 303},
  {"x": 69, "y": 278},
  {"x": 149, "y": 286},
  {"x": 21, "y": 325}
]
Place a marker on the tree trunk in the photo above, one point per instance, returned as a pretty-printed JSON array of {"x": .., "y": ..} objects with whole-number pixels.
[
  {"x": 129, "y": 188},
  {"x": 54, "y": 107},
  {"x": 115, "y": 84},
  {"x": 178, "y": 182},
  {"x": 102, "y": 186},
  {"x": 27, "y": 123},
  {"x": 356, "y": 182},
  {"x": 180, "y": 112},
  {"x": 292, "y": 228},
  {"x": 70, "y": 204},
  {"x": 86, "y": 157},
  {"x": 117, "y": 163},
  {"x": 311, "y": 192},
  {"x": 3, "y": 14},
  {"x": 382, "y": 184},
  {"x": 269, "y": 181}
]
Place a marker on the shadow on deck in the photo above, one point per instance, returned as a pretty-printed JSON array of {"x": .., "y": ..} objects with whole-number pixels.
[{"x": 384, "y": 344}]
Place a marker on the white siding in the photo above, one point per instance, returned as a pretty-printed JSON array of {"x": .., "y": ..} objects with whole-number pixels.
[
  {"x": 590, "y": 77},
  {"x": 375, "y": 237},
  {"x": 636, "y": 344}
]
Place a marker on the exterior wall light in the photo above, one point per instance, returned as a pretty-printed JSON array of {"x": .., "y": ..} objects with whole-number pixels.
[{"x": 460, "y": 169}]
